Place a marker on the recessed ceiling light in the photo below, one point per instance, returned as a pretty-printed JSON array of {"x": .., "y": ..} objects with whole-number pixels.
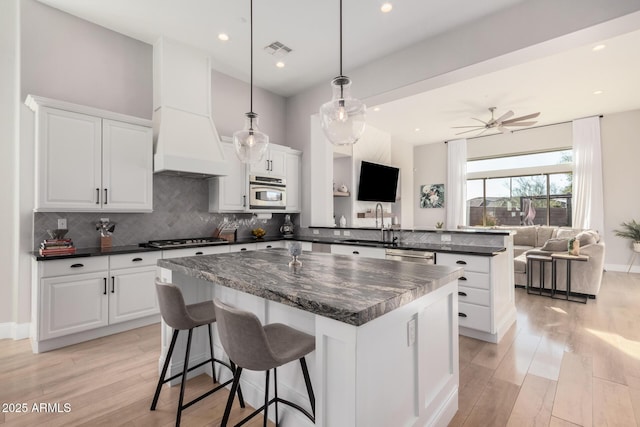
[
  {"x": 376, "y": 108},
  {"x": 417, "y": 129},
  {"x": 599, "y": 47},
  {"x": 386, "y": 7},
  {"x": 597, "y": 92},
  {"x": 224, "y": 37},
  {"x": 280, "y": 64}
]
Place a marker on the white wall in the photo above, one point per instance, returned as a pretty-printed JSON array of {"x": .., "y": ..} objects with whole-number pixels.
[
  {"x": 430, "y": 166},
  {"x": 9, "y": 112},
  {"x": 402, "y": 157}
]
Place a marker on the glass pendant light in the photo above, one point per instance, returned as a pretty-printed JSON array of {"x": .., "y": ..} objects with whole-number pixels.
[
  {"x": 342, "y": 118},
  {"x": 250, "y": 143}
]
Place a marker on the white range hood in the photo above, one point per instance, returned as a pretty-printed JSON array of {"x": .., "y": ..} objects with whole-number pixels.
[{"x": 186, "y": 141}]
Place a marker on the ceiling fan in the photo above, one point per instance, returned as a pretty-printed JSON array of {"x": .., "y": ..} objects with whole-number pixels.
[{"x": 501, "y": 123}]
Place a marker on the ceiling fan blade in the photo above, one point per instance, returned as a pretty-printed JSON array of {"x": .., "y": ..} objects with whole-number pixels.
[
  {"x": 517, "y": 119},
  {"x": 460, "y": 127},
  {"x": 503, "y": 129},
  {"x": 472, "y": 130},
  {"x": 520, "y": 124},
  {"x": 481, "y": 121},
  {"x": 483, "y": 131},
  {"x": 503, "y": 117}
]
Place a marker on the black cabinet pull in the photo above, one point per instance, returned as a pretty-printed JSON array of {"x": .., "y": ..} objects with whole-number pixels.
[
  {"x": 356, "y": 253},
  {"x": 105, "y": 286},
  {"x": 244, "y": 201},
  {"x": 113, "y": 284},
  {"x": 267, "y": 161},
  {"x": 462, "y": 315},
  {"x": 77, "y": 265},
  {"x": 461, "y": 262},
  {"x": 199, "y": 253},
  {"x": 97, "y": 196},
  {"x": 462, "y": 278},
  {"x": 269, "y": 246},
  {"x": 105, "y": 197},
  {"x": 462, "y": 294},
  {"x": 136, "y": 259},
  {"x": 243, "y": 249}
]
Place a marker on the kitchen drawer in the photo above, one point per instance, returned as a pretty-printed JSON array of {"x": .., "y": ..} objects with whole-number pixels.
[
  {"x": 474, "y": 296},
  {"x": 270, "y": 245},
  {"x": 203, "y": 250},
  {"x": 364, "y": 251},
  {"x": 468, "y": 262},
  {"x": 475, "y": 280},
  {"x": 80, "y": 265},
  {"x": 138, "y": 259},
  {"x": 474, "y": 316}
]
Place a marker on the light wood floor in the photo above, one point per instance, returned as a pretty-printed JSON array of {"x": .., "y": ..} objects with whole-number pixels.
[{"x": 562, "y": 364}]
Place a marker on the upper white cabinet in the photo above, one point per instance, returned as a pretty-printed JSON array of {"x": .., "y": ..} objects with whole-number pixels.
[
  {"x": 274, "y": 162},
  {"x": 91, "y": 160},
  {"x": 229, "y": 193}
]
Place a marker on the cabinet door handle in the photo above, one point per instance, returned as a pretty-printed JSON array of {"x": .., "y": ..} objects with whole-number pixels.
[
  {"x": 113, "y": 284},
  {"x": 97, "y": 196},
  {"x": 243, "y": 249},
  {"x": 244, "y": 201},
  {"x": 356, "y": 253},
  {"x": 106, "y": 199},
  {"x": 136, "y": 259},
  {"x": 462, "y": 294},
  {"x": 199, "y": 253},
  {"x": 462, "y": 315},
  {"x": 267, "y": 162},
  {"x": 462, "y": 278},
  {"x": 105, "y": 286},
  {"x": 77, "y": 265},
  {"x": 461, "y": 262},
  {"x": 271, "y": 161},
  {"x": 269, "y": 246}
]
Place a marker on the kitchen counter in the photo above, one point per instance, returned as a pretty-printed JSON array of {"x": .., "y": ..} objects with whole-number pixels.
[
  {"x": 375, "y": 322},
  {"x": 349, "y": 289}
]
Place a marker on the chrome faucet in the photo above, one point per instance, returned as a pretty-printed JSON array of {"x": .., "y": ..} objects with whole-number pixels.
[{"x": 381, "y": 220}]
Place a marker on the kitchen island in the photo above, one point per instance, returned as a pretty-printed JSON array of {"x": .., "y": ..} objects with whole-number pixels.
[{"x": 386, "y": 331}]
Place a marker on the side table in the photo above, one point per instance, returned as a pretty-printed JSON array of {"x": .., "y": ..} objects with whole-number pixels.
[
  {"x": 542, "y": 260},
  {"x": 569, "y": 259}
]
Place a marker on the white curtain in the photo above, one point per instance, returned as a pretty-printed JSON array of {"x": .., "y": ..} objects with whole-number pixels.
[
  {"x": 456, "y": 191},
  {"x": 588, "y": 199}
]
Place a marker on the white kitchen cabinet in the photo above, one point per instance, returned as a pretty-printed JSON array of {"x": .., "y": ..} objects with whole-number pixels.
[
  {"x": 486, "y": 304},
  {"x": 229, "y": 193},
  {"x": 201, "y": 250},
  {"x": 274, "y": 162},
  {"x": 91, "y": 160},
  {"x": 271, "y": 245},
  {"x": 132, "y": 292},
  {"x": 243, "y": 247},
  {"x": 294, "y": 180},
  {"x": 78, "y": 299},
  {"x": 365, "y": 251}
]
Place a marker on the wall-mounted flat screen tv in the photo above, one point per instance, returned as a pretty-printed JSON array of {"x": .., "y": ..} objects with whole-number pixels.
[{"x": 378, "y": 183}]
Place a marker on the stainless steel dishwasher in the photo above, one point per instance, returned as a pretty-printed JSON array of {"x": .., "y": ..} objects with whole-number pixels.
[{"x": 423, "y": 257}]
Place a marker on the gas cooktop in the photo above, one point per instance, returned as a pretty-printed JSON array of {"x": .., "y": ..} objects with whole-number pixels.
[{"x": 185, "y": 243}]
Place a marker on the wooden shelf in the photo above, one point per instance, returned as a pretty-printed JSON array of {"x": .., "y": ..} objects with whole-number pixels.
[
  {"x": 341, "y": 194},
  {"x": 373, "y": 215}
]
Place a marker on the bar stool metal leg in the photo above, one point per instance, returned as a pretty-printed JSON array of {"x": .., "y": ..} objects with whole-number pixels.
[
  {"x": 266, "y": 399},
  {"x": 232, "y": 393},
  {"x": 275, "y": 391},
  {"x": 167, "y": 360},
  {"x": 185, "y": 371},
  {"x": 213, "y": 368},
  {"x": 307, "y": 382},
  {"x": 240, "y": 397}
]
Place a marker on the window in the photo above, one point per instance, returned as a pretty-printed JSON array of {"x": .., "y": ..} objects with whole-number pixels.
[{"x": 504, "y": 197}]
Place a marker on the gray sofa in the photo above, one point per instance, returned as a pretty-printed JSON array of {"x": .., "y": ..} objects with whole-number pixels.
[{"x": 586, "y": 277}]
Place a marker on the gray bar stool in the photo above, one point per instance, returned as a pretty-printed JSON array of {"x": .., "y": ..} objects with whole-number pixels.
[
  {"x": 262, "y": 348},
  {"x": 182, "y": 317}
]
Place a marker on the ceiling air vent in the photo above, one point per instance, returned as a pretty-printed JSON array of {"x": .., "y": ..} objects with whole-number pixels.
[{"x": 277, "y": 49}]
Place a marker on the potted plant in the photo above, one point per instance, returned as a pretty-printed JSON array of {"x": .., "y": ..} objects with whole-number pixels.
[{"x": 630, "y": 230}]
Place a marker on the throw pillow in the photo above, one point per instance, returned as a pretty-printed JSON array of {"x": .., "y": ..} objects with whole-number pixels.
[
  {"x": 556, "y": 245},
  {"x": 587, "y": 238}
]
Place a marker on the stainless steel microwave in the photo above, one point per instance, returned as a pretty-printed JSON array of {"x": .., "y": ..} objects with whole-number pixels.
[{"x": 267, "y": 192}]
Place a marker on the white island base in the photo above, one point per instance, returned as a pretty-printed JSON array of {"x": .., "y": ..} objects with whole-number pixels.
[{"x": 400, "y": 369}]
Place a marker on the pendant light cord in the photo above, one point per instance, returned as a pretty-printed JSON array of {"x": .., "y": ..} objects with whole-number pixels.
[
  {"x": 251, "y": 78},
  {"x": 341, "y": 86}
]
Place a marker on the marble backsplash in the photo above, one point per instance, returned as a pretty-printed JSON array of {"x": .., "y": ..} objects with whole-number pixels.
[{"x": 180, "y": 210}]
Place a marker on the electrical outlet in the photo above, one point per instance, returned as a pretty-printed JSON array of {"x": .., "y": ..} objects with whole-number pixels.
[
  {"x": 336, "y": 232},
  {"x": 62, "y": 223},
  {"x": 316, "y": 231},
  {"x": 346, "y": 233},
  {"x": 445, "y": 237},
  {"x": 411, "y": 332}
]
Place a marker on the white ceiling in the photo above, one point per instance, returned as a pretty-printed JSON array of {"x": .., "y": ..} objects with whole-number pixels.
[{"x": 560, "y": 86}]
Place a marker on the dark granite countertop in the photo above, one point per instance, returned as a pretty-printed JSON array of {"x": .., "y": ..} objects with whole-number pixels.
[{"x": 352, "y": 290}]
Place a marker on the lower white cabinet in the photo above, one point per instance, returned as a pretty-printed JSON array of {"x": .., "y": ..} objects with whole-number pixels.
[
  {"x": 203, "y": 250},
  {"x": 486, "y": 304},
  {"x": 365, "y": 251},
  {"x": 77, "y": 299}
]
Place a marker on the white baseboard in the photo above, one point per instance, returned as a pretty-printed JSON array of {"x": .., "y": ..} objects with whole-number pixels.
[
  {"x": 623, "y": 267},
  {"x": 13, "y": 330}
]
